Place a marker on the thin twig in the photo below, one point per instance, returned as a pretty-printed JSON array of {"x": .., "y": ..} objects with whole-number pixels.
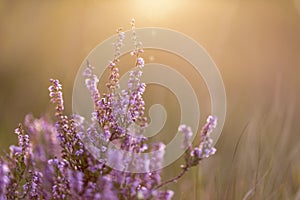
[{"x": 184, "y": 170}]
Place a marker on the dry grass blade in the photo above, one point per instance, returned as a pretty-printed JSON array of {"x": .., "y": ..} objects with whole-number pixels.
[{"x": 251, "y": 192}]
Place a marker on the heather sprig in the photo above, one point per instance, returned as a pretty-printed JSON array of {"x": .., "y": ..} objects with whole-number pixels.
[
  {"x": 60, "y": 188},
  {"x": 102, "y": 103},
  {"x": 20, "y": 163},
  {"x": 91, "y": 82},
  {"x": 53, "y": 161},
  {"x": 193, "y": 156},
  {"x": 32, "y": 187},
  {"x": 55, "y": 93},
  {"x": 205, "y": 149}
]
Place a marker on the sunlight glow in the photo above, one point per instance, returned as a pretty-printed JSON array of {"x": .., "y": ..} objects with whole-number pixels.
[{"x": 158, "y": 9}]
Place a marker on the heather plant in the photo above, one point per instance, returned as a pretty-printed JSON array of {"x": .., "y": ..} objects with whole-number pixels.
[{"x": 52, "y": 161}]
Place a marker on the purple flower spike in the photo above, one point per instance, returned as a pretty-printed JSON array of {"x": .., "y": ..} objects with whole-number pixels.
[
  {"x": 56, "y": 96},
  {"x": 211, "y": 124},
  {"x": 187, "y": 134}
]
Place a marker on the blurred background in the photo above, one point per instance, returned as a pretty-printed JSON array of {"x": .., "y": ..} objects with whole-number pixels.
[{"x": 254, "y": 43}]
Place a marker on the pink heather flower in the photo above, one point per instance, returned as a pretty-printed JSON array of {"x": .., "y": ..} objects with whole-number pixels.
[
  {"x": 4, "y": 179},
  {"x": 158, "y": 152},
  {"x": 23, "y": 140},
  {"x": 113, "y": 82},
  {"x": 119, "y": 43},
  {"x": 87, "y": 72},
  {"x": 56, "y": 96},
  {"x": 135, "y": 91},
  {"x": 32, "y": 189},
  {"x": 165, "y": 195},
  {"x": 211, "y": 124},
  {"x": 75, "y": 179},
  {"x": 205, "y": 149},
  {"x": 140, "y": 62},
  {"x": 115, "y": 158},
  {"x": 137, "y": 44},
  {"x": 14, "y": 150},
  {"x": 187, "y": 134}
]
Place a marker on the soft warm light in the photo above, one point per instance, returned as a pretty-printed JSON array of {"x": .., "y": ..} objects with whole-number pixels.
[{"x": 158, "y": 9}]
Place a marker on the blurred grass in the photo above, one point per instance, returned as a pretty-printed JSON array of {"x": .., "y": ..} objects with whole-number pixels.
[
  {"x": 255, "y": 44},
  {"x": 260, "y": 161}
]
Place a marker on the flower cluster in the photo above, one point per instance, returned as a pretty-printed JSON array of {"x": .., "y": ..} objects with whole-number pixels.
[
  {"x": 4, "y": 179},
  {"x": 52, "y": 161},
  {"x": 205, "y": 148}
]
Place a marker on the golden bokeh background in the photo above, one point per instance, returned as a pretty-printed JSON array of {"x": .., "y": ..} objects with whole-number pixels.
[{"x": 254, "y": 43}]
